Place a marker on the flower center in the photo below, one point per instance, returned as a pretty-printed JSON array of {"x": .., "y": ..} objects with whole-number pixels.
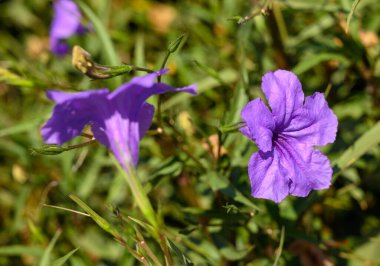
[{"x": 275, "y": 137}]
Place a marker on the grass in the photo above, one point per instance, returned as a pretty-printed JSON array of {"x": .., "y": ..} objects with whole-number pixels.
[{"x": 194, "y": 177}]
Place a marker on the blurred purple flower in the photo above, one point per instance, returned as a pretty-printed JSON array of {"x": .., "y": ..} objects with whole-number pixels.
[
  {"x": 287, "y": 162},
  {"x": 66, "y": 23},
  {"x": 118, "y": 119}
]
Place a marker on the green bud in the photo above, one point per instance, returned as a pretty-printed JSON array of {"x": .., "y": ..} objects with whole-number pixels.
[
  {"x": 49, "y": 149},
  {"x": 173, "y": 46}
]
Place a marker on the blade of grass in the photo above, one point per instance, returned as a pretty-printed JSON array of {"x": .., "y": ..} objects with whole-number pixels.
[
  {"x": 62, "y": 260},
  {"x": 280, "y": 247},
  {"x": 45, "y": 260},
  {"x": 349, "y": 17},
  {"x": 17, "y": 250},
  {"x": 367, "y": 141},
  {"x": 96, "y": 217}
]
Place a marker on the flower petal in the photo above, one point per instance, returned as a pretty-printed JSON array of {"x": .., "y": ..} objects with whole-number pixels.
[
  {"x": 145, "y": 119},
  {"x": 284, "y": 93},
  {"x": 307, "y": 168},
  {"x": 72, "y": 112},
  {"x": 66, "y": 22},
  {"x": 137, "y": 90},
  {"x": 268, "y": 178},
  {"x": 121, "y": 133},
  {"x": 260, "y": 123},
  {"x": 314, "y": 123}
]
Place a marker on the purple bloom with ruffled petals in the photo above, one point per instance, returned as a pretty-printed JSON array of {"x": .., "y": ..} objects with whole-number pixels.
[
  {"x": 118, "y": 119},
  {"x": 66, "y": 23},
  {"x": 287, "y": 162}
]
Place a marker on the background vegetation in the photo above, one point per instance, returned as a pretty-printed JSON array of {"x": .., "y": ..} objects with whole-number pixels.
[{"x": 195, "y": 176}]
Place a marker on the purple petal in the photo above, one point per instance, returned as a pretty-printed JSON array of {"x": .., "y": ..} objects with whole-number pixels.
[
  {"x": 66, "y": 22},
  {"x": 145, "y": 119},
  {"x": 284, "y": 93},
  {"x": 314, "y": 123},
  {"x": 72, "y": 112},
  {"x": 307, "y": 168},
  {"x": 121, "y": 133},
  {"x": 260, "y": 124},
  {"x": 291, "y": 168},
  {"x": 137, "y": 90},
  {"x": 267, "y": 176},
  {"x": 59, "y": 47}
]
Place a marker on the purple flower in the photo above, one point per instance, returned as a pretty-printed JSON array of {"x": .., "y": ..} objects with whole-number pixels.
[
  {"x": 287, "y": 162},
  {"x": 66, "y": 23},
  {"x": 118, "y": 119}
]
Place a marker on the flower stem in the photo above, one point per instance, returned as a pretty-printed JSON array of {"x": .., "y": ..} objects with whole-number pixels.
[
  {"x": 173, "y": 46},
  {"x": 231, "y": 128}
]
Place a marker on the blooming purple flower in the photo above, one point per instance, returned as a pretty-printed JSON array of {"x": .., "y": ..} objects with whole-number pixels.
[
  {"x": 287, "y": 162},
  {"x": 118, "y": 119},
  {"x": 66, "y": 23}
]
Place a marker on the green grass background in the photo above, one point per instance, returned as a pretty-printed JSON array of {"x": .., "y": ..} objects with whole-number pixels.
[{"x": 204, "y": 200}]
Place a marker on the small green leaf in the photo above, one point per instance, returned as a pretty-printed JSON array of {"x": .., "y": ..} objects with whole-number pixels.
[
  {"x": 367, "y": 141},
  {"x": 218, "y": 183},
  {"x": 62, "y": 260},
  {"x": 313, "y": 60},
  {"x": 17, "y": 250},
  {"x": 96, "y": 217},
  {"x": 182, "y": 258},
  {"x": 45, "y": 260}
]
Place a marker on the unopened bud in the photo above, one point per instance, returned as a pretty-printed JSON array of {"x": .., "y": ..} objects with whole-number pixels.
[
  {"x": 173, "y": 46},
  {"x": 83, "y": 62},
  {"x": 49, "y": 149}
]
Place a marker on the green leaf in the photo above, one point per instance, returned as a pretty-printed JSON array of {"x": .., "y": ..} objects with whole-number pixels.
[
  {"x": 45, "y": 260},
  {"x": 313, "y": 60},
  {"x": 366, "y": 254},
  {"x": 62, "y": 260},
  {"x": 183, "y": 259},
  {"x": 218, "y": 183},
  {"x": 349, "y": 17},
  {"x": 96, "y": 217},
  {"x": 311, "y": 31},
  {"x": 17, "y": 250},
  {"x": 367, "y": 141},
  {"x": 227, "y": 76}
]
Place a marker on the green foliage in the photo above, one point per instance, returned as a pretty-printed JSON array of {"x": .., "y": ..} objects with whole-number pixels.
[{"x": 190, "y": 202}]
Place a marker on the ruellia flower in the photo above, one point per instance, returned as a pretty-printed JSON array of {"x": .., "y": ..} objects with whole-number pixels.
[
  {"x": 118, "y": 119},
  {"x": 66, "y": 23},
  {"x": 287, "y": 162}
]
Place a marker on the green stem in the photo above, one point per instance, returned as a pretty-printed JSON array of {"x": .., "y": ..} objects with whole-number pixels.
[
  {"x": 139, "y": 194},
  {"x": 159, "y": 98},
  {"x": 71, "y": 147},
  {"x": 173, "y": 46},
  {"x": 231, "y": 127}
]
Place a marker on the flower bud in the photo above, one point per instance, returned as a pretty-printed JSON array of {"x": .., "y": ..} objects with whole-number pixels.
[
  {"x": 83, "y": 62},
  {"x": 173, "y": 46},
  {"x": 49, "y": 149}
]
